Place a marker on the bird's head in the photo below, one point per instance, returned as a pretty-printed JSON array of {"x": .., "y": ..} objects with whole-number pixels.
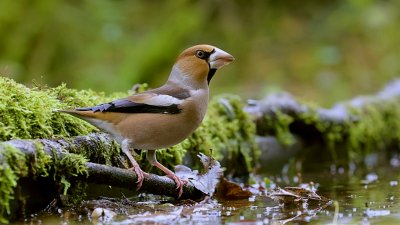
[{"x": 198, "y": 64}]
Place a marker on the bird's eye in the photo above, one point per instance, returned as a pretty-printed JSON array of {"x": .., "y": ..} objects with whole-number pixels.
[{"x": 201, "y": 54}]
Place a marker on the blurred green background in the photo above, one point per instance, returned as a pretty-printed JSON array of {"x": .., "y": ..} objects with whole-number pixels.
[{"x": 324, "y": 51}]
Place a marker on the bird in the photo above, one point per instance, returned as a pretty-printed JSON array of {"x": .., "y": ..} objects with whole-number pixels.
[{"x": 161, "y": 117}]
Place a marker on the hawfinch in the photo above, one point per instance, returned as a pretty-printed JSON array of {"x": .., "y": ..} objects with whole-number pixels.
[{"x": 162, "y": 117}]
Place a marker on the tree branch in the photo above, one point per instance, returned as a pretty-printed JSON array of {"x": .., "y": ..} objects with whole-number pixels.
[
  {"x": 153, "y": 184},
  {"x": 103, "y": 174}
]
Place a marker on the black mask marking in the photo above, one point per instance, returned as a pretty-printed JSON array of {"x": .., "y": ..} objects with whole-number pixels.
[{"x": 210, "y": 75}]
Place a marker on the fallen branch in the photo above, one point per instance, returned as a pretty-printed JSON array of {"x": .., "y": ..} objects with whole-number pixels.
[
  {"x": 153, "y": 184},
  {"x": 103, "y": 174}
]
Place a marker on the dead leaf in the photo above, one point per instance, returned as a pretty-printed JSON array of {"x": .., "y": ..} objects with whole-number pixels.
[
  {"x": 298, "y": 197},
  {"x": 206, "y": 181},
  {"x": 227, "y": 190}
]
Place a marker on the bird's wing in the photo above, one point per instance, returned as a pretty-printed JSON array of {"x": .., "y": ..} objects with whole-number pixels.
[{"x": 147, "y": 102}]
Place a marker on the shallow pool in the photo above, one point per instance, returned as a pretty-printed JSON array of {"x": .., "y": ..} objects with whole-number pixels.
[{"x": 359, "y": 196}]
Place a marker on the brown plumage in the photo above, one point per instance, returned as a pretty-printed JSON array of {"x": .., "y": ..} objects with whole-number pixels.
[{"x": 164, "y": 116}]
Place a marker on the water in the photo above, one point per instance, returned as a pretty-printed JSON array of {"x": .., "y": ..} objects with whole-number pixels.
[
  {"x": 366, "y": 198},
  {"x": 358, "y": 197}
]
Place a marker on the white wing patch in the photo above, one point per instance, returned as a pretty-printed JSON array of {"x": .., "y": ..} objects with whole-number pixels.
[{"x": 163, "y": 100}]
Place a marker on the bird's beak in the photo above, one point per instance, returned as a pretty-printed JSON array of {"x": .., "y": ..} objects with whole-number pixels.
[{"x": 219, "y": 59}]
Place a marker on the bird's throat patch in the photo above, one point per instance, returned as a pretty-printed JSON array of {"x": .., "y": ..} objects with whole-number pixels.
[{"x": 211, "y": 74}]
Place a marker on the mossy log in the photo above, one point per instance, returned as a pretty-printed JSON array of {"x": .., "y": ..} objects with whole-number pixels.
[
  {"x": 33, "y": 161},
  {"x": 99, "y": 173},
  {"x": 348, "y": 131}
]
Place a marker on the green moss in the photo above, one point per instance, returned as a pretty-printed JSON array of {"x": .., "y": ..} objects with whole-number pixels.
[
  {"x": 98, "y": 149},
  {"x": 77, "y": 193},
  {"x": 42, "y": 162},
  {"x": 378, "y": 128},
  {"x": 15, "y": 164},
  {"x": 30, "y": 113},
  {"x": 228, "y": 131},
  {"x": 280, "y": 122},
  {"x": 69, "y": 165},
  {"x": 12, "y": 167}
]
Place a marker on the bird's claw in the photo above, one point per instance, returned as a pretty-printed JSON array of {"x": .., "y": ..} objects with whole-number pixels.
[
  {"x": 140, "y": 176},
  {"x": 179, "y": 183}
]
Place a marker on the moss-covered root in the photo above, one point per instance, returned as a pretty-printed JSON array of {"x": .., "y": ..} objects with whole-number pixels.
[
  {"x": 30, "y": 159},
  {"x": 20, "y": 159},
  {"x": 12, "y": 167}
]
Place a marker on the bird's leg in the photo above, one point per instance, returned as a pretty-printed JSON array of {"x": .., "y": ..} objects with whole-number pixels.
[
  {"x": 151, "y": 157},
  {"x": 135, "y": 166}
]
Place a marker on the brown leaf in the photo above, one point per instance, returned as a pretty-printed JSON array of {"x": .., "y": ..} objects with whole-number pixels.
[
  {"x": 227, "y": 190},
  {"x": 297, "y": 196}
]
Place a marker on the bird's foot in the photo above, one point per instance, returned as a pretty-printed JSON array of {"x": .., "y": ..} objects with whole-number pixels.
[
  {"x": 140, "y": 176},
  {"x": 179, "y": 183},
  {"x": 151, "y": 156}
]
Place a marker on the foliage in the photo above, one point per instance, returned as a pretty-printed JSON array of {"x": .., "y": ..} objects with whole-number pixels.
[{"x": 12, "y": 166}]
